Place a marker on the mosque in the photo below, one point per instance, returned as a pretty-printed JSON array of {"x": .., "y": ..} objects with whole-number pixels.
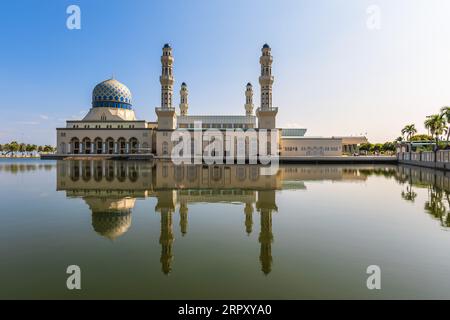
[{"x": 111, "y": 129}]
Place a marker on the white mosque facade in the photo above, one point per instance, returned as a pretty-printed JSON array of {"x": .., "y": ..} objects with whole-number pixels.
[{"x": 110, "y": 128}]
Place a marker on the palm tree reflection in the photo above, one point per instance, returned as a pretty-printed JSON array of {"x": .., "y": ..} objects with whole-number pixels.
[{"x": 438, "y": 186}]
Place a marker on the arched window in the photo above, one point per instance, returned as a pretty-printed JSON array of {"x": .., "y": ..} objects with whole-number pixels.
[
  {"x": 87, "y": 146},
  {"x": 122, "y": 145},
  {"x": 75, "y": 146},
  {"x": 134, "y": 145},
  {"x": 109, "y": 146},
  {"x": 98, "y": 146}
]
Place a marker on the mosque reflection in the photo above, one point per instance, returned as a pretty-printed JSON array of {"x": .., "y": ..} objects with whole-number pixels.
[{"x": 110, "y": 189}]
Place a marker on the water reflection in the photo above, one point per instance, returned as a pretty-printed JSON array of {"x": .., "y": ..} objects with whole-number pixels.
[
  {"x": 15, "y": 168},
  {"x": 110, "y": 189},
  {"x": 438, "y": 185}
]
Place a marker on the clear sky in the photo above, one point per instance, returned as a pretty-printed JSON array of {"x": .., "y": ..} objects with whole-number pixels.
[{"x": 333, "y": 74}]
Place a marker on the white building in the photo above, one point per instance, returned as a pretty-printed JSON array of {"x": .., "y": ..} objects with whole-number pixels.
[{"x": 111, "y": 128}]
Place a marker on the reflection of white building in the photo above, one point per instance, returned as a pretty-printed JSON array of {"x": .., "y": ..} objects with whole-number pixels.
[{"x": 111, "y": 128}]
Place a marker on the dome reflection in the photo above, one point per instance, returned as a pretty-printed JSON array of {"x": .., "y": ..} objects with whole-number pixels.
[{"x": 111, "y": 188}]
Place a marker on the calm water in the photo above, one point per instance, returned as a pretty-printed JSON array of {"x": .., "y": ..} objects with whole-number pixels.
[{"x": 151, "y": 230}]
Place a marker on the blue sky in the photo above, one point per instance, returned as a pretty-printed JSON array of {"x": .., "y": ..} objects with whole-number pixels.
[{"x": 333, "y": 75}]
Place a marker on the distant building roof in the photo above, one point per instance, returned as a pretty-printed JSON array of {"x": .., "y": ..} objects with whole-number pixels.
[
  {"x": 217, "y": 119},
  {"x": 293, "y": 132}
]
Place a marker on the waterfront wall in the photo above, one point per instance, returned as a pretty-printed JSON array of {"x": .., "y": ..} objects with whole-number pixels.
[
  {"x": 424, "y": 177},
  {"x": 438, "y": 160}
]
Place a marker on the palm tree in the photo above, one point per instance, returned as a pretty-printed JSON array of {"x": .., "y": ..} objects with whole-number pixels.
[
  {"x": 445, "y": 113},
  {"x": 409, "y": 130},
  {"x": 13, "y": 147},
  {"x": 436, "y": 125},
  {"x": 30, "y": 148}
]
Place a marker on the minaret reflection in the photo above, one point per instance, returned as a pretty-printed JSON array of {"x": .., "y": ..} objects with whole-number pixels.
[
  {"x": 166, "y": 207},
  {"x": 266, "y": 205},
  {"x": 248, "y": 210},
  {"x": 183, "y": 218}
]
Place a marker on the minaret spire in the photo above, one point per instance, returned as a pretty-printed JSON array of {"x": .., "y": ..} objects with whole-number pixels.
[
  {"x": 266, "y": 113},
  {"x": 167, "y": 119},
  {"x": 249, "y": 99},
  {"x": 184, "y": 99},
  {"x": 266, "y": 78},
  {"x": 166, "y": 78}
]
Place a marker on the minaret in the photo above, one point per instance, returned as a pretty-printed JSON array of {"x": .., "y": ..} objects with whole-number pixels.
[
  {"x": 167, "y": 118},
  {"x": 249, "y": 100},
  {"x": 266, "y": 113},
  {"x": 184, "y": 99},
  {"x": 166, "y": 79}
]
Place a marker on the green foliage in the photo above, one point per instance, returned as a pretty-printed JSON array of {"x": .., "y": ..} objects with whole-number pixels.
[
  {"x": 389, "y": 146},
  {"x": 409, "y": 130},
  {"x": 436, "y": 124},
  {"x": 14, "y": 147},
  {"x": 424, "y": 148},
  {"x": 365, "y": 147},
  {"x": 421, "y": 137}
]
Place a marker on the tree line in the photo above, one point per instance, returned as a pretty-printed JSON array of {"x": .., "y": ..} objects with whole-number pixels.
[
  {"x": 438, "y": 126},
  {"x": 387, "y": 147},
  {"x": 14, "y": 148}
]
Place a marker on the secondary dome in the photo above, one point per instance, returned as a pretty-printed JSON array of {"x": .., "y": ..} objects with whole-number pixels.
[{"x": 111, "y": 94}]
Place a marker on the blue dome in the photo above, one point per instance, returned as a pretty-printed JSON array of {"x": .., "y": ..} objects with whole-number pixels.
[
  {"x": 266, "y": 46},
  {"x": 111, "y": 94}
]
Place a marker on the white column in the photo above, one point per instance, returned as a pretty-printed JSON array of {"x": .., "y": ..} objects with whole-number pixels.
[
  {"x": 127, "y": 147},
  {"x": 81, "y": 147},
  {"x": 115, "y": 147},
  {"x": 104, "y": 147},
  {"x": 92, "y": 148},
  {"x": 69, "y": 148}
]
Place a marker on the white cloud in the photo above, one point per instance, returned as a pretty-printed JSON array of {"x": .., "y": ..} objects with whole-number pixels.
[
  {"x": 28, "y": 122},
  {"x": 43, "y": 117}
]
